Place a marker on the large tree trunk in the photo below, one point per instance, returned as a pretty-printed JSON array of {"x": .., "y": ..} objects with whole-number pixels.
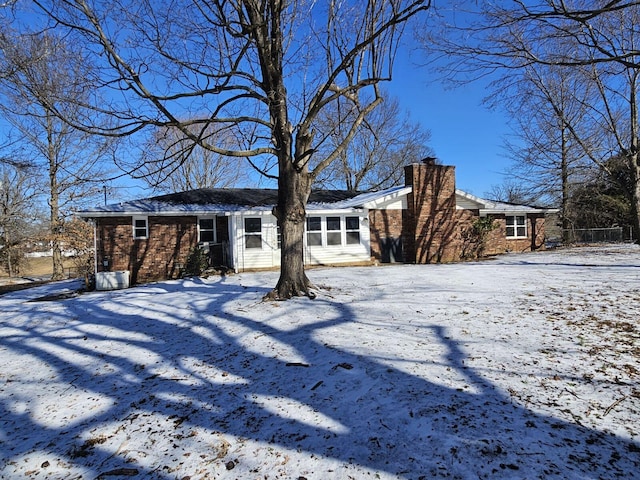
[
  {"x": 634, "y": 156},
  {"x": 294, "y": 187},
  {"x": 294, "y": 180}
]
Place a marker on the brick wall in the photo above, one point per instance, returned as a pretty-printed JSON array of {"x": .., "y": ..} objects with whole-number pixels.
[
  {"x": 385, "y": 227},
  {"x": 497, "y": 242},
  {"x": 431, "y": 229},
  {"x": 160, "y": 256}
]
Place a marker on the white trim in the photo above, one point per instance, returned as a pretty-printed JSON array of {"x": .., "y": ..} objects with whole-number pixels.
[
  {"x": 215, "y": 229},
  {"x": 233, "y": 239},
  {"x": 480, "y": 202},
  {"x": 134, "y": 218},
  {"x": 489, "y": 207},
  {"x": 515, "y": 226},
  {"x": 253, "y": 234},
  {"x": 324, "y": 231},
  {"x": 389, "y": 200}
]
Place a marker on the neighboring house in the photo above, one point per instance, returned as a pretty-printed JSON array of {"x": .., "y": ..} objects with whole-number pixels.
[{"x": 425, "y": 221}]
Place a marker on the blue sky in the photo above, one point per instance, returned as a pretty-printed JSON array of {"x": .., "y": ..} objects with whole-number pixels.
[{"x": 464, "y": 133}]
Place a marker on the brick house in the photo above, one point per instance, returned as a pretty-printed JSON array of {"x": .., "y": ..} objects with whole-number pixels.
[
  {"x": 435, "y": 220},
  {"x": 425, "y": 221}
]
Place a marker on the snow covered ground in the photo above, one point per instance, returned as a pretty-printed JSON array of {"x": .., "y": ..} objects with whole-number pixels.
[{"x": 525, "y": 366}]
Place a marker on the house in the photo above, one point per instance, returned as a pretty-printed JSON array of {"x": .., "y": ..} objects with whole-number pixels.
[{"x": 427, "y": 220}]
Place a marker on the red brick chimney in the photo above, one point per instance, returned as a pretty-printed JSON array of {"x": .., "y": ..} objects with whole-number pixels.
[{"x": 430, "y": 224}]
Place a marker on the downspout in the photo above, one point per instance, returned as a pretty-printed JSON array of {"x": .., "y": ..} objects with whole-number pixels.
[
  {"x": 241, "y": 244},
  {"x": 95, "y": 247},
  {"x": 233, "y": 238}
]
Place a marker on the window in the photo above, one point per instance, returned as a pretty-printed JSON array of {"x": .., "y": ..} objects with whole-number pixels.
[
  {"x": 353, "y": 230},
  {"x": 314, "y": 231},
  {"x": 140, "y": 227},
  {"x": 516, "y": 226},
  {"x": 207, "y": 230},
  {"x": 334, "y": 235},
  {"x": 333, "y": 231},
  {"x": 253, "y": 233}
]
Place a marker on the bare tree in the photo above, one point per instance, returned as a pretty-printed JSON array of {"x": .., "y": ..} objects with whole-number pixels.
[
  {"x": 17, "y": 207},
  {"x": 43, "y": 77},
  {"x": 554, "y": 123},
  {"x": 604, "y": 200},
  {"x": 378, "y": 151},
  {"x": 601, "y": 39},
  {"x": 172, "y": 163},
  {"x": 263, "y": 69},
  {"x": 513, "y": 191}
]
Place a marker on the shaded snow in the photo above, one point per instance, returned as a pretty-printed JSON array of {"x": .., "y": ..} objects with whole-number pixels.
[{"x": 525, "y": 366}]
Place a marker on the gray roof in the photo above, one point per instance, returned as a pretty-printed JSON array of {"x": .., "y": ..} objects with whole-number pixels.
[
  {"x": 226, "y": 200},
  {"x": 246, "y": 197},
  {"x": 492, "y": 207},
  {"x": 218, "y": 200}
]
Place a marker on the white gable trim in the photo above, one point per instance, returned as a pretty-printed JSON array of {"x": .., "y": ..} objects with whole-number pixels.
[
  {"x": 389, "y": 200},
  {"x": 466, "y": 201}
]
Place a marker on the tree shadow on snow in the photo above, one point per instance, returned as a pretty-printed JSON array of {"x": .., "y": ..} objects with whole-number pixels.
[{"x": 187, "y": 378}]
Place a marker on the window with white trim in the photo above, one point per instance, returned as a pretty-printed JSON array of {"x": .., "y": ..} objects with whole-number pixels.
[
  {"x": 253, "y": 232},
  {"x": 206, "y": 229},
  {"x": 314, "y": 231},
  {"x": 332, "y": 231},
  {"x": 516, "y": 226},
  {"x": 140, "y": 227},
  {"x": 353, "y": 230}
]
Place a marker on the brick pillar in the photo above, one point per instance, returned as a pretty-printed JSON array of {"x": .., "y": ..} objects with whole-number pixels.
[{"x": 430, "y": 226}]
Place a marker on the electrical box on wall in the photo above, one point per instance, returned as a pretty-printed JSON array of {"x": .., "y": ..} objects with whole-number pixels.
[{"x": 112, "y": 280}]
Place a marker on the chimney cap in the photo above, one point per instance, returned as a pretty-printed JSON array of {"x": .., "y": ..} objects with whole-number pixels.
[{"x": 429, "y": 160}]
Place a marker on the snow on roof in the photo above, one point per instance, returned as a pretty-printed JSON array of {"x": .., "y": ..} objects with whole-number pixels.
[
  {"x": 368, "y": 199},
  {"x": 228, "y": 200},
  {"x": 490, "y": 206},
  {"x": 213, "y": 200}
]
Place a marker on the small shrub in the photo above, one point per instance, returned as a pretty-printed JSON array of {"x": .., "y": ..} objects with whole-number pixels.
[
  {"x": 197, "y": 262},
  {"x": 474, "y": 237}
]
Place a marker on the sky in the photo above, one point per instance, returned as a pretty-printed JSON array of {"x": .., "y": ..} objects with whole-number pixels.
[
  {"x": 454, "y": 375},
  {"x": 464, "y": 133}
]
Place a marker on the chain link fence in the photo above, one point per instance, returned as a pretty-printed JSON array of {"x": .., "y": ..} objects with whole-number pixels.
[{"x": 598, "y": 235}]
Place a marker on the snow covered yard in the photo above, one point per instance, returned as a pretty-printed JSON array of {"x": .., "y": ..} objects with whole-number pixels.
[{"x": 525, "y": 366}]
